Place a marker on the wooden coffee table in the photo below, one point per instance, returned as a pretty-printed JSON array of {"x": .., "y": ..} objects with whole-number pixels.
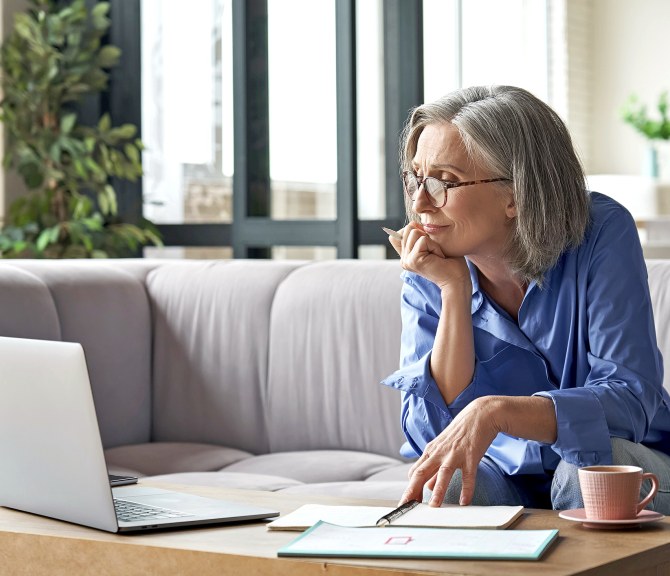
[{"x": 34, "y": 545}]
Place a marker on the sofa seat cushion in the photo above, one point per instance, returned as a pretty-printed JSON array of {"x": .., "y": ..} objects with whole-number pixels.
[
  {"x": 398, "y": 473},
  {"x": 392, "y": 491},
  {"x": 316, "y": 465},
  {"x": 377, "y": 490},
  {"x": 153, "y": 458},
  {"x": 237, "y": 480}
]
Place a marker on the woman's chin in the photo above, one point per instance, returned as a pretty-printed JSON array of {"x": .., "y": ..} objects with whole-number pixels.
[{"x": 450, "y": 252}]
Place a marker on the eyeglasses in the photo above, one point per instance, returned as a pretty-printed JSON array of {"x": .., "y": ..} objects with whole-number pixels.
[{"x": 437, "y": 189}]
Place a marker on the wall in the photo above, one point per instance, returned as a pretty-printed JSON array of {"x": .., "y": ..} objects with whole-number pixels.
[
  {"x": 629, "y": 54},
  {"x": 10, "y": 183}
]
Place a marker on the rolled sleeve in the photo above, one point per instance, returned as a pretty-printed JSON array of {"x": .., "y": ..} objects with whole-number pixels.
[
  {"x": 424, "y": 412},
  {"x": 583, "y": 437},
  {"x": 417, "y": 379}
]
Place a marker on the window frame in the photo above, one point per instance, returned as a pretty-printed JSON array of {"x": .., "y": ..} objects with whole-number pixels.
[{"x": 252, "y": 233}]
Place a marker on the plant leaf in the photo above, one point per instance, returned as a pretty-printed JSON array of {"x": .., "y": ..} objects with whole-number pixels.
[{"x": 67, "y": 123}]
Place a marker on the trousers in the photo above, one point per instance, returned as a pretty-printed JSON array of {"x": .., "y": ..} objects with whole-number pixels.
[{"x": 560, "y": 490}]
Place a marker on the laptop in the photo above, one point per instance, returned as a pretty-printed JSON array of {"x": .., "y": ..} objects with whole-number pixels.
[{"x": 51, "y": 455}]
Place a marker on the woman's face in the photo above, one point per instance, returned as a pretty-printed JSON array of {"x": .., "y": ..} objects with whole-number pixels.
[{"x": 476, "y": 220}]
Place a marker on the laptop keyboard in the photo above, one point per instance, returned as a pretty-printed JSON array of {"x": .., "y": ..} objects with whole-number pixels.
[{"x": 133, "y": 512}]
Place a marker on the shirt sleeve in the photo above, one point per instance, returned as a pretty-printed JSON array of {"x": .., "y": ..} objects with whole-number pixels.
[
  {"x": 424, "y": 412},
  {"x": 623, "y": 389}
]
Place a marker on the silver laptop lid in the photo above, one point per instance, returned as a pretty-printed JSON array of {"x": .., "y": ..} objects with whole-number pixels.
[{"x": 50, "y": 447}]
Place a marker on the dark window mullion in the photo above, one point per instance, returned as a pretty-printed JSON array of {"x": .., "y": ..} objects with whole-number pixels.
[
  {"x": 124, "y": 98},
  {"x": 347, "y": 177},
  {"x": 403, "y": 88},
  {"x": 251, "y": 181}
]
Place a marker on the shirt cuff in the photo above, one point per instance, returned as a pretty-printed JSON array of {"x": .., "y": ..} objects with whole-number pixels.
[
  {"x": 582, "y": 437},
  {"x": 416, "y": 379}
]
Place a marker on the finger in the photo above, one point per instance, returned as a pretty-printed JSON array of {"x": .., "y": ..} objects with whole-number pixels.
[
  {"x": 441, "y": 484},
  {"x": 468, "y": 485},
  {"x": 426, "y": 245},
  {"x": 397, "y": 245},
  {"x": 425, "y": 455},
  {"x": 417, "y": 481},
  {"x": 416, "y": 464},
  {"x": 414, "y": 491},
  {"x": 410, "y": 238},
  {"x": 410, "y": 494}
]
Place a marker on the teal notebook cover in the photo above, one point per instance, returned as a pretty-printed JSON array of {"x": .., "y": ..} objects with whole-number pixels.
[{"x": 329, "y": 540}]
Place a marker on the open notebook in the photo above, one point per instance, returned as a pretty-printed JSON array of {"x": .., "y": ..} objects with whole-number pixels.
[{"x": 447, "y": 516}]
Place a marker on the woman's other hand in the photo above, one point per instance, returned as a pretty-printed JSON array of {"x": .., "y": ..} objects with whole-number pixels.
[{"x": 460, "y": 446}]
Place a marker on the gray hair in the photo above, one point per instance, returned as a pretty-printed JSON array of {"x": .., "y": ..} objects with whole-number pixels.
[{"x": 519, "y": 137}]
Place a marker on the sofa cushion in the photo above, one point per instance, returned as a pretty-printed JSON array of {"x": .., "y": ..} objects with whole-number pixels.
[
  {"x": 659, "y": 288},
  {"x": 335, "y": 334},
  {"x": 238, "y": 480},
  {"x": 211, "y": 327},
  {"x": 169, "y": 457},
  {"x": 368, "y": 490},
  {"x": 316, "y": 465},
  {"x": 399, "y": 473},
  {"x": 106, "y": 310},
  {"x": 27, "y": 309}
]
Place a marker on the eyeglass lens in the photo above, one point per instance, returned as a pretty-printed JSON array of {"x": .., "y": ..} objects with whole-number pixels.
[{"x": 433, "y": 187}]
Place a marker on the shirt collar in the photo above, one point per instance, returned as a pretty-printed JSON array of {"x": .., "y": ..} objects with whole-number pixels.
[{"x": 477, "y": 297}]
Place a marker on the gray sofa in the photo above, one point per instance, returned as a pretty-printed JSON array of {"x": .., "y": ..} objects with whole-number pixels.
[{"x": 243, "y": 373}]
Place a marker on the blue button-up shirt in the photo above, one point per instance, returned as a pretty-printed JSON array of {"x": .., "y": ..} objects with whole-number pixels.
[{"x": 585, "y": 339}]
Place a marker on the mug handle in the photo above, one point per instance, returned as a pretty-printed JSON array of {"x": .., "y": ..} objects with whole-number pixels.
[{"x": 654, "y": 488}]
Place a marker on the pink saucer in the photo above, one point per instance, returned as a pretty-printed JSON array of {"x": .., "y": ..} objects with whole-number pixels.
[{"x": 579, "y": 515}]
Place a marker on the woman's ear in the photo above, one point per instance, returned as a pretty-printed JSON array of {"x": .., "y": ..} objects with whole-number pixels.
[{"x": 510, "y": 207}]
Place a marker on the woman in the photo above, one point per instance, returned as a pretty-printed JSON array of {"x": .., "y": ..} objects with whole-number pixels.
[{"x": 528, "y": 344}]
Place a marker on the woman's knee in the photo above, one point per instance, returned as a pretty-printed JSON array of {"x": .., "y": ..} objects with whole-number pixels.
[
  {"x": 565, "y": 491},
  {"x": 492, "y": 487}
]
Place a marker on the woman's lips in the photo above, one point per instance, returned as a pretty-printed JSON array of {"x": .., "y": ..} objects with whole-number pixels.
[{"x": 433, "y": 228}]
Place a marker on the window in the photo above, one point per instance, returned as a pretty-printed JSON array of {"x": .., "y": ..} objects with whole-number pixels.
[
  {"x": 187, "y": 111},
  {"x": 487, "y": 42},
  {"x": 272, "y": 126}
]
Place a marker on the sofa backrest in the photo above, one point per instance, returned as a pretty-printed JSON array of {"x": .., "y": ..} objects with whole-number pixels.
[
  {"x": 659, "y": 288},
  {"x": 334, "y": 334},
  {"x": 257, "y": 355},
  {"x": 104, "y": 306},
  {"x": 211, "y": 326}
]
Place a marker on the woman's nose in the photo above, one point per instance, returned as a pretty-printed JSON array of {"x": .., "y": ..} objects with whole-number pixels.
[{"x": 421, "y": 201}]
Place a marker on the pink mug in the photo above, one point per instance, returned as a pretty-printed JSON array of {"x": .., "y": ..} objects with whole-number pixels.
[{"x": 613, "y": 492}]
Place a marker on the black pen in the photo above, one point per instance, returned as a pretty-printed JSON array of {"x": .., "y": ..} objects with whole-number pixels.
[{"x": 397, "y": 513}]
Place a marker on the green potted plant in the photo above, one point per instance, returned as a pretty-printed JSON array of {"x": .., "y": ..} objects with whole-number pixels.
[
  {"x": 635, "y": 113},
  {"x": 54, "y": 58}
]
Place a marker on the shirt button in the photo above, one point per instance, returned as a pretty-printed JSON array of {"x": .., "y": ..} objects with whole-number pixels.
[{"x": 399, "y": 381}]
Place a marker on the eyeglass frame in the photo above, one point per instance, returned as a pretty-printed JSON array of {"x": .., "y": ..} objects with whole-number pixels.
[{"x": 446, "y": 184}]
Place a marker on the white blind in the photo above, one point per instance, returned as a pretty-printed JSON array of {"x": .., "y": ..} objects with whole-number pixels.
[{"x": 570, "y": 68}]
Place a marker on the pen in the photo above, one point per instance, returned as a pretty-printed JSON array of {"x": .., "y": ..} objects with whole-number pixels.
[
  {"x": 397, "y": 513},
  {"x": 392, "y": 233}
]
